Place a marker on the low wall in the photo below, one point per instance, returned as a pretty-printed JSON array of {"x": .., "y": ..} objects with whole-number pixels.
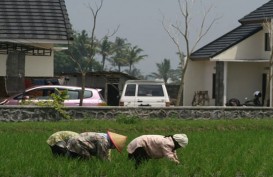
[{"x": 34, "y": 113}]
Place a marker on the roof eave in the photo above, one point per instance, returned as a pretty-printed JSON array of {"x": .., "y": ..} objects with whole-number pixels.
[
  {"x": 36, "y": 41},
  {"x": 254, "y": 20}
]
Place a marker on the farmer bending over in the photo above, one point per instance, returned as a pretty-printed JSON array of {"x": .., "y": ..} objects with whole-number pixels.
[
  {"x": 148, "y": 147},
  {"x": 58, "y": 141},
  {"x": 90, "y": 144}
]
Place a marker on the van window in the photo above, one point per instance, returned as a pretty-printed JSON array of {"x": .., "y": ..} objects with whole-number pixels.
[
  {"x": 150, "y": 90},
  {"x": 130, "y": 90}
]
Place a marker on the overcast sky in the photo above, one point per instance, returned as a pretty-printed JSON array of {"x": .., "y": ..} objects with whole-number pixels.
[{"x": 140, "y": 23}]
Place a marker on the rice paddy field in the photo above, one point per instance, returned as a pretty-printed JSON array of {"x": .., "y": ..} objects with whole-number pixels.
[{"x": 224, "y": 148}]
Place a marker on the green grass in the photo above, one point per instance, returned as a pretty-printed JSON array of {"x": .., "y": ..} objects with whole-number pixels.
[{"x": 223, "y": 148}]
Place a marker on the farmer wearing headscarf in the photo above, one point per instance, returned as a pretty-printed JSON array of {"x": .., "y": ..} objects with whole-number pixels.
[
  {"x": 147, "y": 147},
  {"x": 58, "y": 141},
  {"x": 90, "y": 144}
]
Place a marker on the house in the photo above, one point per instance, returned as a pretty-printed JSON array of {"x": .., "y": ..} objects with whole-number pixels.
[
  {"x": 30, "y": 31},
  {"x": 235, "y": 65}
]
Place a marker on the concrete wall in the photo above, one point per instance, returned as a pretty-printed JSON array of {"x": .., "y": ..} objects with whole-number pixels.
[
  {"x": 35, "y": 66},
  {"x": 39, "y": 66},
  {"x": 199, "y": 77},
  {"x": 28, "y": 113},
  {"x": 251, "y": 48}
]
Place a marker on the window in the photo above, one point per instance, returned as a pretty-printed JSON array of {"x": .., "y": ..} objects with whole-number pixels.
[
  {"x": 73, "y": 94},
  {"x": 130, "y": 90},
  {"x": 267, "y": 42},
  {"x": 150, "y": 90},
  {"x": 87, "y": 94}
]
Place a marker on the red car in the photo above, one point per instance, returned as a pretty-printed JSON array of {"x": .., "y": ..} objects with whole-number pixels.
[{"x": 92, "y": 97}]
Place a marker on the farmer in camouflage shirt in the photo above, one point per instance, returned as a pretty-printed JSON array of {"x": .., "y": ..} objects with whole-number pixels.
[
  {"x": 58, "y": 141},
  {"x": 90, "y": 144}
]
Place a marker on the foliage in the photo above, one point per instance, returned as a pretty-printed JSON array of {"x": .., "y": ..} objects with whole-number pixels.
[
  {"x": 134, "y": 56},
  {"x": 216, "y": 148},
  {"x": 56, "y": 101},
  {"x": 118, "y": 53},
  {"x": 163, "y": 70}
]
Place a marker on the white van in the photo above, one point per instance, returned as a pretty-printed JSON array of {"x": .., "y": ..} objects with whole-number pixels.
[{"x": 137, "y": 93}]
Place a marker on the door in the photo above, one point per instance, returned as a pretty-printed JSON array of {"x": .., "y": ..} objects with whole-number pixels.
[{"x": 112, "y": 95}]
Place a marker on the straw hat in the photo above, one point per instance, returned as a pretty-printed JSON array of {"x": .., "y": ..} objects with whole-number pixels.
[
  {"x": 181, "y": 139},
  {"x": 118, "y": 140}
]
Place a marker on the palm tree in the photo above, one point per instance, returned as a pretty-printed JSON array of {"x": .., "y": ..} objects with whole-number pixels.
[
  {"x": 105, "y": 49},
  {"x": 163, "y": 70},
  {"x": 120, "y": 53},
  {"x": 135, "y": 72},
  {"x": 134, "y": 56}
]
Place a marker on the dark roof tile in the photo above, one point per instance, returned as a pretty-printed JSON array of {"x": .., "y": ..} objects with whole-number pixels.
[
  {"x": 260, "y": 14},
  {"x": 34, "y": 19},
  {"x": 226, "y": 41}
]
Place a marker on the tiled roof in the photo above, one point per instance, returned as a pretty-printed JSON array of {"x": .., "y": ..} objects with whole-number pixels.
[
  {"x": 226, "y": 41},
  {"x": 34, "y": 20},
  {"x": 260, "y": 14}
]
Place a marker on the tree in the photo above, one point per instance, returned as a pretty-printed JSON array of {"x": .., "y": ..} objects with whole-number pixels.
[
  {"x": 80, "y": 50},
  {"x": 175, "y": 31},
  {"x": 105, "y": 49},
  {"x": 175, "y": 75},
  {"x": 84, "y": 64},
  {"x": 120, "y": 53},
  {"x": 62, "y": 63},
  {"x": 269, "y": 28},
  {"x": 134, "y": 72},
  {"x": 134, "y": 56},
  {"x": 163, "y": 70}
]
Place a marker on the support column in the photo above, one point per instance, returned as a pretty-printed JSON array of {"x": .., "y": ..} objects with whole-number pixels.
[{"x": 219, "y": 85}]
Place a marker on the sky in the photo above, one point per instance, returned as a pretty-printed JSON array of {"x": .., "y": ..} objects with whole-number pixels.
[{"x": 140, "y": 22}]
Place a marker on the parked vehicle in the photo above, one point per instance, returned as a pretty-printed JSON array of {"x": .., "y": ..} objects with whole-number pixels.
[
  {"x": 253, "y": 102},
  {"x": 137, "y": 93},
  {"x": 92, "y": 97}
]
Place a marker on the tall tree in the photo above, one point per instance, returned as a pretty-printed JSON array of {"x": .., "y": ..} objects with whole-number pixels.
[
  {"x": 175, "y": 31},
  {"x": 163, "y": 70},
  {"x": 269, "y": 29},
  {"x": 134, "y": 72},
  {"x": 120, "y": 53},
  {"x": 84, "y": 64},
  {"x": 105, "y": 49},
  {"x": 134, "y": 56}
]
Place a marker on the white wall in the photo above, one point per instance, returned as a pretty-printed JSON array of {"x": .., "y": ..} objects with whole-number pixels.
[
  {"x": 251, "y": 48},
  {"x": 35, "y": 66},
  {"x": 39, "y": 66},
  {"x": 198, "y": 78}
]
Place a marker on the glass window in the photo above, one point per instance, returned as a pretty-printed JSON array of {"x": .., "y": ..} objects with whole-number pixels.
[
  {"x": 267, "y": 42},
  {"x": 73, "y": 94},
  {"x": 150, "y": 90},
  {"x": 130, "y": 90},
  {"x": 87, "y": 94}
]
